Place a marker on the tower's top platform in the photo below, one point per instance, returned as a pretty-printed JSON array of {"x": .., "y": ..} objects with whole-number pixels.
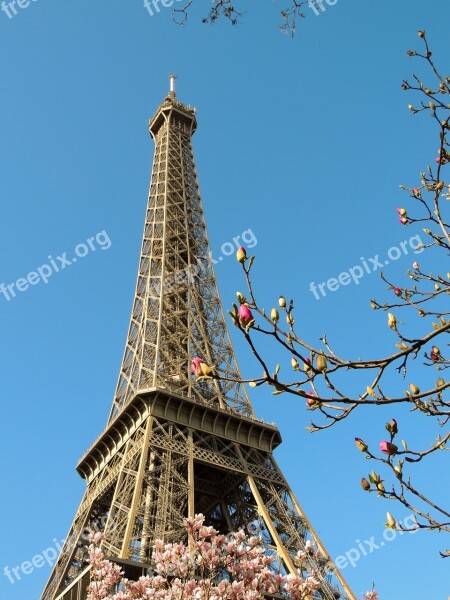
[{"x": 171, "y": 107}]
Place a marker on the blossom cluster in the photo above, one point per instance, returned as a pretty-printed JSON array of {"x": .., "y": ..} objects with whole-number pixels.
[{"x": 210, "y": 566}]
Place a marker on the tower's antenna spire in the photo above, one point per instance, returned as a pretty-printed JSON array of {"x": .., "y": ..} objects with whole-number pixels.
[{"x": 172, "y": 78}]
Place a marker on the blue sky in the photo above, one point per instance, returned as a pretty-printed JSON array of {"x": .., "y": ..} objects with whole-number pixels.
[{"x": 303, "y": 141}]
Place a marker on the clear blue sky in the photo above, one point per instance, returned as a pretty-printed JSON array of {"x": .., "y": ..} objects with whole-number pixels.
[{"x": 303, "y": 141}]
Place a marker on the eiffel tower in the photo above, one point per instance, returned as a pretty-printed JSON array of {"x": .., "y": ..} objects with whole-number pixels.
[{"x": 173, "y": 446}]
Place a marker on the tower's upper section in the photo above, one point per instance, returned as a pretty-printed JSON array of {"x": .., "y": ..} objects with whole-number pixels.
[
  {"x": 177, "y": 313},
  {"x": 174, "y": 112}
]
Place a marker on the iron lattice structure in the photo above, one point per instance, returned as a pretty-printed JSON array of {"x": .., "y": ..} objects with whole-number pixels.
[{"x": 173, "y": 446}]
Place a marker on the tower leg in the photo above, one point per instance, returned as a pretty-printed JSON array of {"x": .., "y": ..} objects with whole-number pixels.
[
  {"x": 125, "y": 551},
  {"x": 282, "y": 552}
]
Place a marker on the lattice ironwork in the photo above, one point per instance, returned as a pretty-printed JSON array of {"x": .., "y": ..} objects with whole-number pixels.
[
  {"x": 174, "y": 447},
  {"x": 177, "y": 313}
]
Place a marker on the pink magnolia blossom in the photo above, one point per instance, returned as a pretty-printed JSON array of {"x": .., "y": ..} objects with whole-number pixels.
[
  {"x": 435, "y": 353},
  {"x": 312, "y": 399},
  {"x": 442, "y": 158},
  {"x": 245, "y": 314},
  {"x": 192, "y": 571},
  {"x": 388, "y": 448},
  {"x": 195, "y": 366}
]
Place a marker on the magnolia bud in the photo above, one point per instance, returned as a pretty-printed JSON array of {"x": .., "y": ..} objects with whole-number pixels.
[
  {"x": 365, "y": 484},
  {"x": 401, "y": 212},
  {"x": 375, "y": 478},
  {"x": 245, "y": 315},
  {"x": 290, "y": 319},
  {"x": 274, "y": 315},
  {"x": 394, "y": 426},
  {"x": 416, "y": 266},
  {"x": 390, "y": 521},
  {"x": 240, "y": 297},
  {"x": 362, "y": 446},
  {"x": 321, "y": 363},
  {"x": 421, "y": 33},
  {"x": 414, "y": 389},
  {"x": 307, "y": 365},
  {"x": 392, "y": 321},
  {"x": 432, "y": 105},
  {"x": 388, "y": 448},
  {"x": 402, "y": 346},
  {"x": 312, "y": 400},
  {"x": 440, "y": 382},
  {"x": 397, "y": 291},
  {"x": 435, "y": 353},
  {"x": 205, "y": 370},
  {"x": 282, "y": 302},
  {"x": 195, "y": 366},
  {"x": 294, "y": 363},
  {"x": 398, "y": 471},
  {"x": 370, "y": 391},
  {"x": 241, "y": 254}
]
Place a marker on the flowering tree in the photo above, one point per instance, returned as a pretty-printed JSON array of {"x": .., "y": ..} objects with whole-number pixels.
[
  {"x": 209, "y": 567},
  {"x": 324, "y": 379},
  {"x": 227, "y": 9}
]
